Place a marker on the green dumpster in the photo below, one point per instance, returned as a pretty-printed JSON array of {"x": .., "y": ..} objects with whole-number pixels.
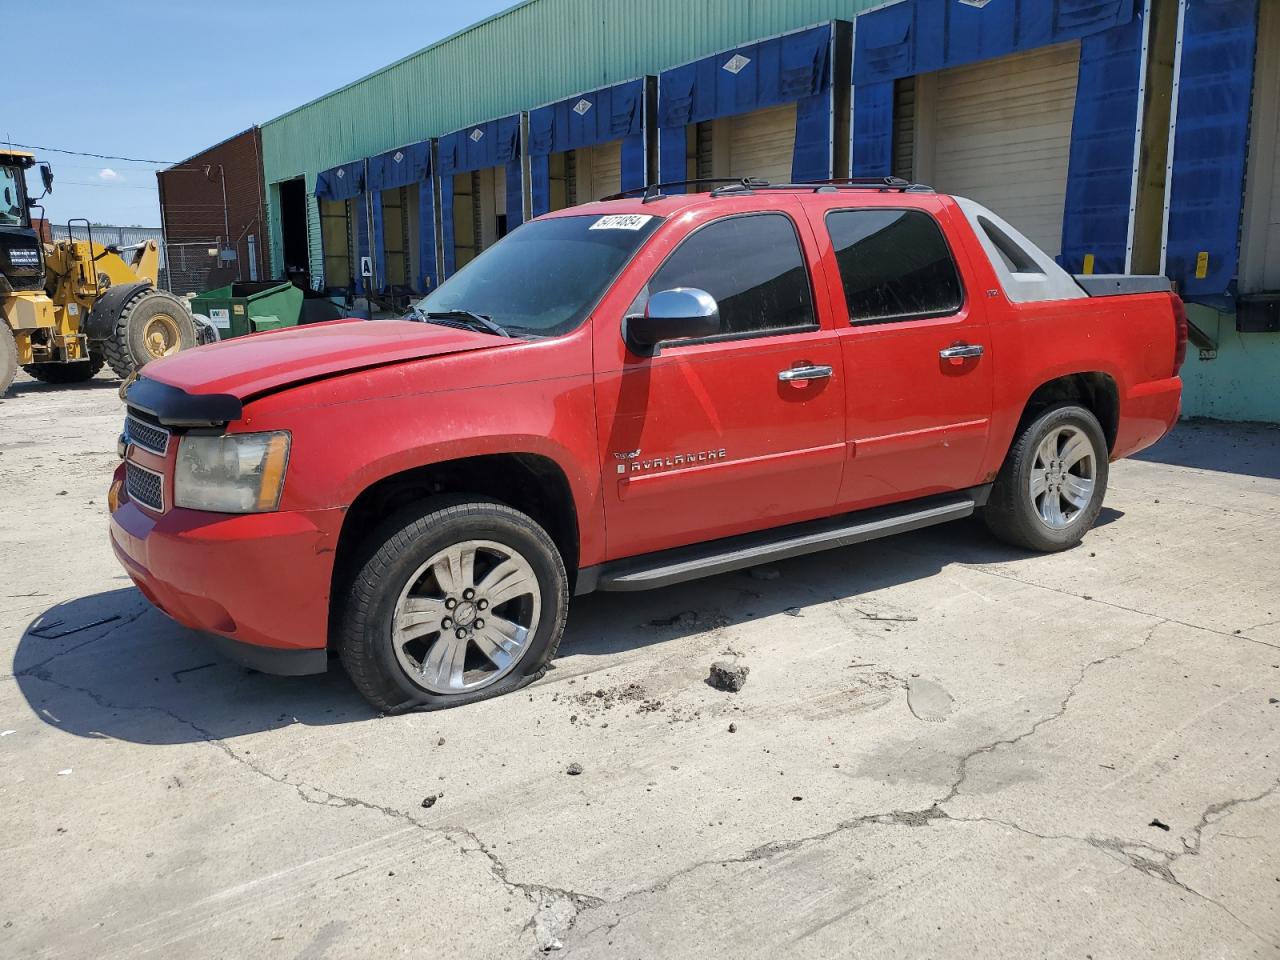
[{"x": 250, "y": 307}]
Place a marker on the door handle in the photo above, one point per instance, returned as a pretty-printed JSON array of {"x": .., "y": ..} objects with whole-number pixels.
[
  {"x": 959, "y": 351},
  {"x": 808, "y": 372}
]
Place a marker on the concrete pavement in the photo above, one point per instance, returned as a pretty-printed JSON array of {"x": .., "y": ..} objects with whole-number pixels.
[{"x": 945, "y": 748}]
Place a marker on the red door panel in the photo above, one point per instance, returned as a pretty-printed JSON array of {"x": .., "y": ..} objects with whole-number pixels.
[
  {"x": 704, "y": 441},
  {"x": 918, "y": 424},
  {"x": 917, "y": 421}
]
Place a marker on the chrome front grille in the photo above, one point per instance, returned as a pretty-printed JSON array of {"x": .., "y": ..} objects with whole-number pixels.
[
  {"x": 146, "y": 435},
  {"x": 144, "y": 486}
]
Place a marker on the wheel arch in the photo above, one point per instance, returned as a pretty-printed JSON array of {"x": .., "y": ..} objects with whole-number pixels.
[
  {"x": 1095, "y": 390},
  {"x": 532, "y": 483}
]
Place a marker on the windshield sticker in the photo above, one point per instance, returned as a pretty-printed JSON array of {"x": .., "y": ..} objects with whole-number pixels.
[{"x": 622, "y": 221}]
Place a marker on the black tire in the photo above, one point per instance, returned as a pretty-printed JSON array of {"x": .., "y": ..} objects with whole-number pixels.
[
  {"x": 76, "y": 372},
  {"x": 395, "y": 552},
  {"x": 8, "y": 358},
  {"x": 126, "y": 348},
  {"x": 1013, "y": 514}
]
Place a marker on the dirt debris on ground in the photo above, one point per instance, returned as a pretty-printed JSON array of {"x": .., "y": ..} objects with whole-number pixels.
[{"x": 728, "y": 675}]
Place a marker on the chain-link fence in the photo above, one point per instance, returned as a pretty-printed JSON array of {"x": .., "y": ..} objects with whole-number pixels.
[
  {"x": 191, "y": 267},
  {"x": 199, "y": 265}
]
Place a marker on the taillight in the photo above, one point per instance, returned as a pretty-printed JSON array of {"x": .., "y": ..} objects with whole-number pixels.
[{"x": 1179, "y": 334}]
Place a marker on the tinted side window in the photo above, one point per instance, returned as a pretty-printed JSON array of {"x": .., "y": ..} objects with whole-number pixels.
[
  {"x": 752, "y": 265},
  {"x": 894, "y": 264}
]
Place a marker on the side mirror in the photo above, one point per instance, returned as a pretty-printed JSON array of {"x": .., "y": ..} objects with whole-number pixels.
[
  {"x": 682, "y": 313},
  {"x": 46, "y": 177}
]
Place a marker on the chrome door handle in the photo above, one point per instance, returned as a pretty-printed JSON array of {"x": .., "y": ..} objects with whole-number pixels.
[
  {"x": 810, "y": 372},
  {"x": 961, "y": 350}
]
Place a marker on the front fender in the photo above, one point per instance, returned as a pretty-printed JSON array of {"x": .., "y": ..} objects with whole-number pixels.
[{"x": 341, "y": 448}]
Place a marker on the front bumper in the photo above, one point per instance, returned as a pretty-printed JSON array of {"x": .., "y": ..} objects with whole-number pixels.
[{"x": 261, "y": 581}]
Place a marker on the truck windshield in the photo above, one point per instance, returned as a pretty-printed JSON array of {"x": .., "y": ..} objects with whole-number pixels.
[
  {"x": 13, "y": 205},
  {"x": 547, "y": 275}
]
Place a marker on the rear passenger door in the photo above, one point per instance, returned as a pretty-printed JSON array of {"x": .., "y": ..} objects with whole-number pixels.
[
  {"x": 731, "y": 433},
  {"x": 916, "y": 352}
]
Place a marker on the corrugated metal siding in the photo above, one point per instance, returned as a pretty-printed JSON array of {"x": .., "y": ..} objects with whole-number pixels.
[{"x": 532, "y": 54}]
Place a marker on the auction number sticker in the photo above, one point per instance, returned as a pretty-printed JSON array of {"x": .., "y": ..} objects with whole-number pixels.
[
  {"x": 220, "y": 319},
  {"x": 622, "y": 221}
]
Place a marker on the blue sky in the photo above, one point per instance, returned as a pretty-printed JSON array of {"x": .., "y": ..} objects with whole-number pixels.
[{"x": 165, "y": 80}]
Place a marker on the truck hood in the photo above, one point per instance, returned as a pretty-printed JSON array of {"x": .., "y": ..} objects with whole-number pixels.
[{"x": 260, "y": 363}]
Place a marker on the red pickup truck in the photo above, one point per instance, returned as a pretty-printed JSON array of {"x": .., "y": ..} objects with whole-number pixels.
[{"x": 624, "y": 395}]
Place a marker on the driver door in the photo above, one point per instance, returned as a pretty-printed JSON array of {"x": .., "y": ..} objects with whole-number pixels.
[{"x": 730, "y": 433}]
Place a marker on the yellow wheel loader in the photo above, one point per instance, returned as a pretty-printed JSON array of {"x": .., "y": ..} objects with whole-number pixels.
[{"x": 73, "y": 305}]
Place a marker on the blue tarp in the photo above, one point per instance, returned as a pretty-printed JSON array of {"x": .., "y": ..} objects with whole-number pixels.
[
  {"x": 397, "y": 168},
  {"x": 347, "y": 182},
  {"x": 601, "y": 116},
  {"x": 1100, "y": 169},
  {"x": 1210, "y": 146},
  {"x": 341, "y": 182},
  {"x": 921, "y": 36},
  {"x": 495, "y": 143},
  {"x": 795, "y": 68}
]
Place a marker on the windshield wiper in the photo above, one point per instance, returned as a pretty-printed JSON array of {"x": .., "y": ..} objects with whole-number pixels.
[{"x": 476, "y": 320}]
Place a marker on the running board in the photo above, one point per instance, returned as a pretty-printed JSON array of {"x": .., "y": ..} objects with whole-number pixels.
[{"x": 666, "y": 567}]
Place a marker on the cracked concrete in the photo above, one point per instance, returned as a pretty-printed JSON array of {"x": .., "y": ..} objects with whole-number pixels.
[{"x": 153, "y": 809}]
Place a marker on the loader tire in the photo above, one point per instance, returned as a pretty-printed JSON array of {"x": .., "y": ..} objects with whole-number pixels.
[
  {"x": 152, "y": 324},
  {"x": 8, "y": 358},
  {"x": 78, "y": 371}
]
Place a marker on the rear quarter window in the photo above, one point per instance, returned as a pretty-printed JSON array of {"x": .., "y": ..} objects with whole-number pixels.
[{"x": 894, "y": 265}]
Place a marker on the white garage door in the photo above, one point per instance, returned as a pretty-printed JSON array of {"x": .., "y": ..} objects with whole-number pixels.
[
  {"x": 1001, "y": 135},
  {"x": 606, "y": 170},
  {"x": 761, "y": 143},
  {"x": 1260, "y": 250}
]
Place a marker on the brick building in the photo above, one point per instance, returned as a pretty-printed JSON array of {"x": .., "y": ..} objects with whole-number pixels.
[{"x": 212, "y": 212}]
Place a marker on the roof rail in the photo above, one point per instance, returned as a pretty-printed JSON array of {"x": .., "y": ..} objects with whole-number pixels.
[
  {"x": 655, "y": 190},
  {"x": 882, "y": 184}
]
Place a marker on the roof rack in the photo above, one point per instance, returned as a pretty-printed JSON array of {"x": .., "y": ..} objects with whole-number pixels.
[
  {"x": 727, "y": 186},
  {"x": 881, "y": 184},
  {"x": 655, "y": 190}
]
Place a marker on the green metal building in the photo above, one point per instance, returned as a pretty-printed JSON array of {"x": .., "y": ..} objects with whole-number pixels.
[{"x": 1123, "y": 135}]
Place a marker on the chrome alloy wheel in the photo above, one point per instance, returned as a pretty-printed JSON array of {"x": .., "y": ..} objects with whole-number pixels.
[
  {"x": 465, "y": 617},
  {"x": 1063, "y": 476}
]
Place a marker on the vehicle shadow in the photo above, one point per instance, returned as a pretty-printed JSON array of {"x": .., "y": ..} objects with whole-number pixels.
[
  {"x": 1247, "y": 449},
  {"x": 24, "y": 386},
  {"x": 110, "y": 666},
  {"x": 611, "y": 623}
]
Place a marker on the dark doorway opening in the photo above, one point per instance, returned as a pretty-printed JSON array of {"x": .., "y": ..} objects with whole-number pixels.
[{"x": 293, "y": 227}]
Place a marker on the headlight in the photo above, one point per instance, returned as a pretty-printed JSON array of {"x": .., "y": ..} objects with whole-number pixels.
[{"x": 236, "y": 473}]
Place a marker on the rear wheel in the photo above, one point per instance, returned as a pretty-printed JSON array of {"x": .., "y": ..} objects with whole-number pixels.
[
  {"x": 152, "y": 324},
  {"x": 8, "y": 357},
  {"x": 75, "y": 372},
  {"x": 1049, "y": 491},
  {"x": 455, "y": 601}
]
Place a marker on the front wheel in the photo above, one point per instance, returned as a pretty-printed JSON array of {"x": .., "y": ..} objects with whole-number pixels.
[
  {"x": 455, "y": 601},
  {"x": 153, "y": 324},
  {"x": 1049, "y": 491}
]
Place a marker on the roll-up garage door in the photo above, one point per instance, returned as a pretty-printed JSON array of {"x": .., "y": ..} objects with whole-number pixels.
[
  {"x": 762, "y": 143},
  {"x": 606, "y": 169},
  {"x": 1000, "y": 133}
]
